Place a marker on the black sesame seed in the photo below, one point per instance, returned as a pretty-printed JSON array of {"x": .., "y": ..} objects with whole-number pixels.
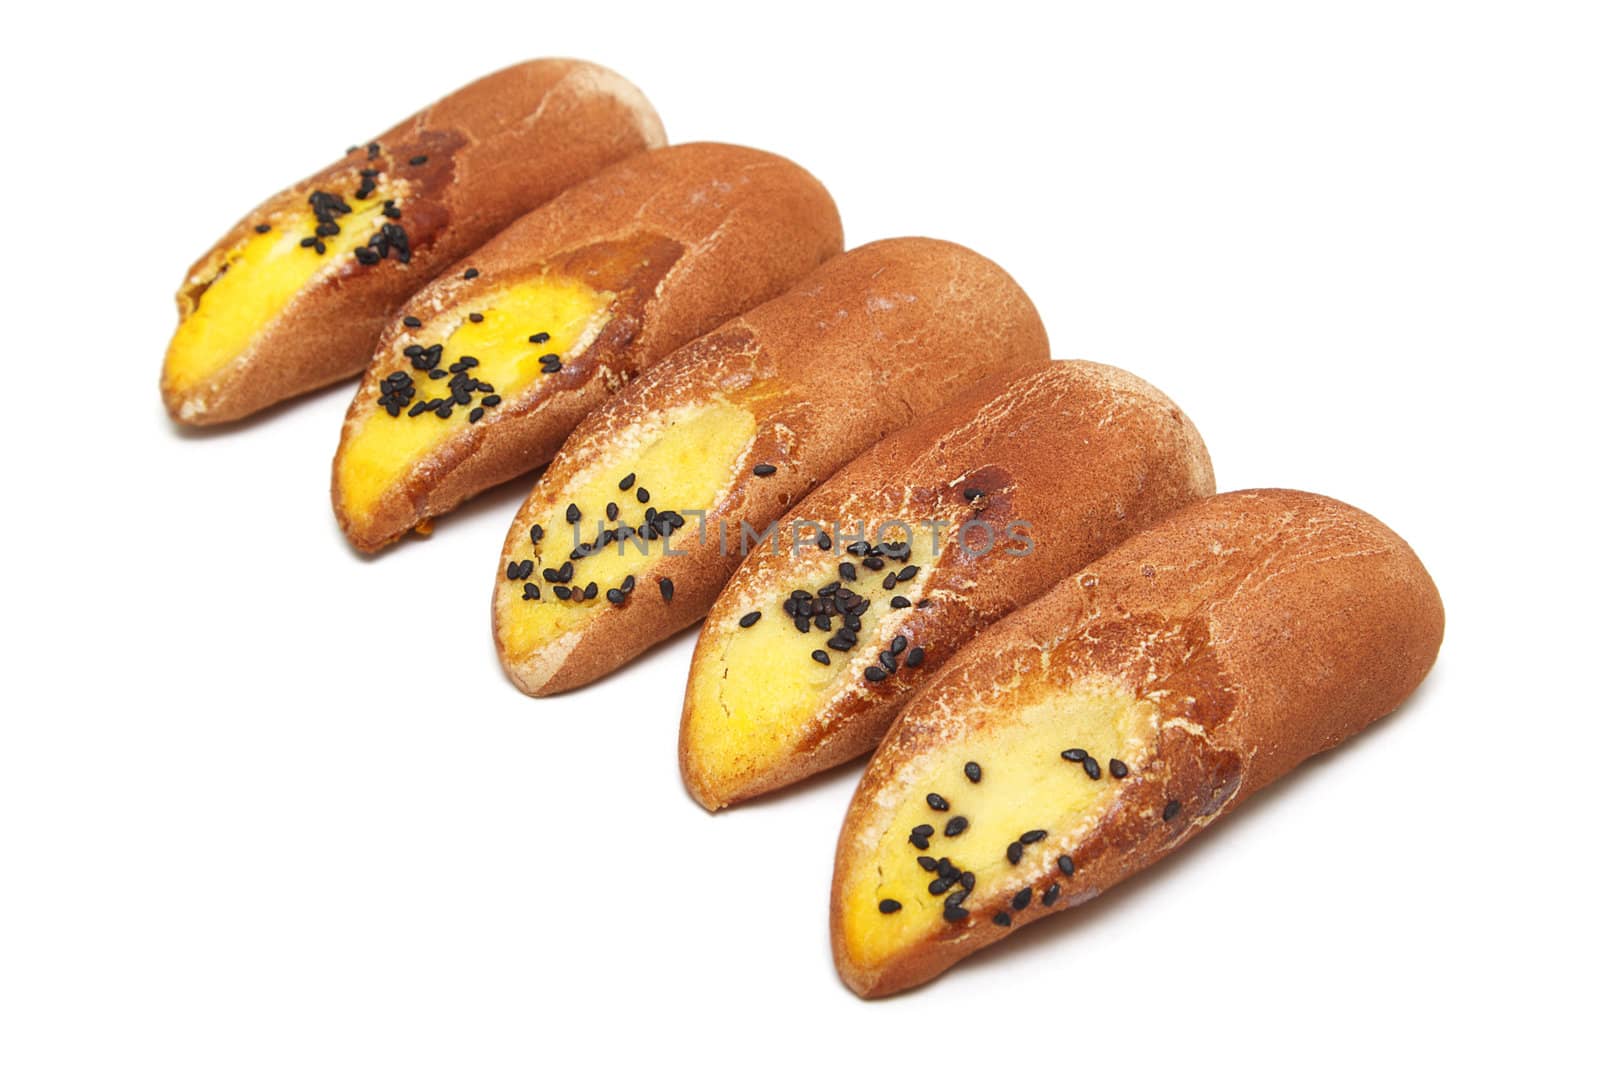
[
  {"x": 1091, "y": 767},
  {"x": 886, "y": 661},
  {"x": 1002, "y": 918},
  {"x": 915, "y": 656},
  {"x": 937, "y": 802},
  {"x": 475, "y": 414},
  {"x": 973, "y": 772},
  {"x": 1066, "y": 865},
  {"x": 761, "y": 470},
  {"x": 972, "y": 494},
  {"x": 907, "y": 573},
  {"x": 591, "y": 590},
  {"x": 264, "y": 228},
  {"x": 530, "y": 592},
  {"x": 968, "y": 880},
  {"x": 889, "y": 581},
  {"x": 922, "y": 829},
  {"x": 898, "y": 645},
  {"x": 959, "y": 897},
  {"x": 412, "y": 321},
  {"x": 847, "y": 571},
  {"x": 1023, "y": 898},
  {"x": 492, "y": 400},
  {"x": 888, "y": 906},
  {"x": 417, "y": 161},
  {"x": 955, "y": 914},
  {"x": 1074, "y": 755},
  {"x": 1172, "y": 808},
  {"x": 872, "y": 563},
  {"x": 1051, "y": 895},
  {"x": 539, "y": 338},
  {"x": 627, "y": 584},
  {"x": 573, "y": 514},
  {"x": 612, "y": 511},
  {"x": 939, "y": 886},
  {"x": 1033, "y": 837},
  {"x": 616, "y": 596},
  {"x": 927, "y": 863},
  {"x": 841, "y": 641},
  {"x": 1014, "y": 852},
  {"x": 535, "y": 533},
  {"x": 947, "y": 869},
  {"x": 899, "y": 602},
  {"x": 875, "y": 674},
  {"x": 749, "y": 619},
  {"x": 472, "y": 272},
  {"x": 821, "y": 657},
  {"x": 475, "y": 317},
  {"x": 642, "y": 495},
  {"x": 565, "y": 573},
  {"x": 1118, "y": 769},
  {"x": 563, "y": 593},
  {"x": 956, "y": 826},
  {"x": 824, "y": 542},
  {"x": 665, "y": 586}
]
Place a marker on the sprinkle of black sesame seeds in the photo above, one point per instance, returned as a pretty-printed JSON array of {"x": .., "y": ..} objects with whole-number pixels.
[
  {"x": 947, "y": 869},
  {"x": 563, "y": 593},
  {"x": 472, "y": 272},
  {"x": 1118, "y": 769},
  {"x": 1014, "y": 852},
  {"x": 958, "y": 898},
  {"x": 956, "y": 826},
  {"x": 665, "y": 586},
  {"x": 922, "y": 829},
  {"x": 821, "y": 657},
  {"x": 761, "y": 470},
  {"x": 886, "y": 661},
  {"x": 1066, "y": 865},
  {"x": 616, "y": 596},
  {"x": 888, "y": 906},
  {"x": 264, "y": 228},
  {"x": 535, "y": 533},
  {"x": 927, "y": 863},
  {"x": 1002, "y": 918},
  {"x": 1074, "y": 755},
  {"x": 1023, "y": 898},
  {"x": 847, "y": 571},
  {"x": 475, "y": 316},
  {"x": 968, "y": 880},
  {"x": 906, "y": 573},
  {"x": 530, "y": 591},
  {"x": 937, "y": 802},
  {"x": 475, "y": 414},
  {"x": 898, "y": 645},
  {"x": 749, "y": 619},
  {"x": 939, "y": 886},
  {"x": 573, "y": 514},
  {"x": 591, "y": 590},
  {"x": 1172, "y": 808},
  {"x": 915, "y": 657},
  {"x": 1051, "y": 895},
  {"x": 875, "y": 674},
  {"x": 564, "y": 573},
  {"x": 1091, "y": 767},
  {"x": 955, "y": 914},
  {"x": 642, "y": 495},
  {"x": 412, "y": 321},
  {"x": 539, "y": 338},
  {"x": 889, "y": 581},
  {"x": 899, "y": 602},
  {"x": 973, "y": 772},
  {"x": 1033, "y": 837},
  {"x": 872, "y": 563}
]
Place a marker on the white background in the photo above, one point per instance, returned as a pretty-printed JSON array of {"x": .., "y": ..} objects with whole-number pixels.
[{"x": 265, "y": 802}]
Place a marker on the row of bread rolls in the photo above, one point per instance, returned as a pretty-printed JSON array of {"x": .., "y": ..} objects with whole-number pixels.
[{"x": 905, "y": 522}]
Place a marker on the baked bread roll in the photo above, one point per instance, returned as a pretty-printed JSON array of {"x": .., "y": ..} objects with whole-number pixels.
[
  {"x": 643, "y": 514},
  {"x": 477, "y": 381},
  {"x": 293, "y": 297},
  {"x": 900, "y": 558},
  {"x": 1100, "y": 727}
]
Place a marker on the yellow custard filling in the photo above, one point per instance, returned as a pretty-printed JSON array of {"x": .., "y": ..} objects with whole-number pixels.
[
  {"x": 1024, "y": 785},
  {"x": 506, "y": 332},
  {"x": 256, "y": 281},
  {"x": 683, "y": 461},
  {"x": 760, "y": 692}
]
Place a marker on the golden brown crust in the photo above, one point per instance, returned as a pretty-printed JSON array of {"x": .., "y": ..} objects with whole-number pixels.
[
  {"x": 869, "y": 341},
  {"x": 1085, "y": 454},
  {"x": 495, "y": 149},
  {"x": 687, "y": 236},
  {"x": 1266, "y": 626}
]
